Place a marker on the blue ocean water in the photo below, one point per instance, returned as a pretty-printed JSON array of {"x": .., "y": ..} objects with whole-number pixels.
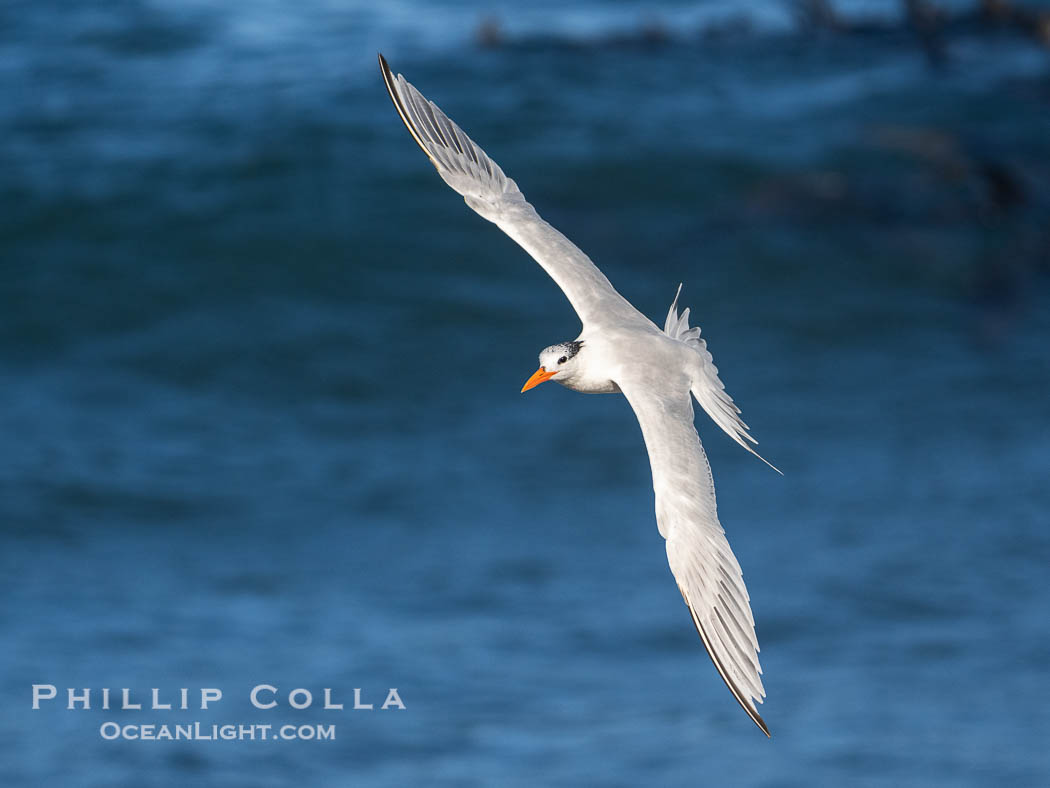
[{"x": 260, "y": 420}]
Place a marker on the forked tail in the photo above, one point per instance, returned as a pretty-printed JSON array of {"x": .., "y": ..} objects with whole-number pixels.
[{"x": 708, "y": 389}]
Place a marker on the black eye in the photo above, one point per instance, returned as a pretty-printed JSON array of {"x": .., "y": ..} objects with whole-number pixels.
[{"x": 562, "y": 360}]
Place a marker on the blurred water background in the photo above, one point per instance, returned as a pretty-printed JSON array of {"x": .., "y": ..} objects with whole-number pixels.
[{"x": 259, "y": 372}]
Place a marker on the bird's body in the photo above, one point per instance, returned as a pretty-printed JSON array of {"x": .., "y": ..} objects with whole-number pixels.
[
  {"x": 658, "y": 371},
  {"x": 662, "y": 360}
]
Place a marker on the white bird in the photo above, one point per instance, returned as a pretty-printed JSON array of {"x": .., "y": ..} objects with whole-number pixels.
[{"x": 621, "y": 350}]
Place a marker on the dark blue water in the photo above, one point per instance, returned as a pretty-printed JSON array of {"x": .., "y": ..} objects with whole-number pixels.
[{"x": 260, "y": 421}]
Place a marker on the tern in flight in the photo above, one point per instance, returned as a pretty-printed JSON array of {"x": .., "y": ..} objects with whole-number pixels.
[{"x": 621, "y": 350}]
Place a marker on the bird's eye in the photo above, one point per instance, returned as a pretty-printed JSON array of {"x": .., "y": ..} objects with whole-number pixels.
[{"x": 562, "y": 360}]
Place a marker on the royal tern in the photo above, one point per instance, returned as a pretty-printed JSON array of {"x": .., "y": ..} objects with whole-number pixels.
[{"x": 621, "y": 350}]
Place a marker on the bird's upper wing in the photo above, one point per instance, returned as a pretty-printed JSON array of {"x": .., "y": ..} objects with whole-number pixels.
[
  {"x": 701, "y": 561},
  {"x": 465, "y": 167}
]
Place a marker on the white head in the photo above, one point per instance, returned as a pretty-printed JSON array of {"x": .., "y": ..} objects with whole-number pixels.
[{"x": 557, "y": 362}]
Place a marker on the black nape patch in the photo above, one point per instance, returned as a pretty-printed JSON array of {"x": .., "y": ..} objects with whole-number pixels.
[{"x": 573, "y": 348}]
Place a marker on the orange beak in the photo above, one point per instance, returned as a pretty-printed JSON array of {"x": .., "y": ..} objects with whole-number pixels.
[{"x": 537, "y": 378}]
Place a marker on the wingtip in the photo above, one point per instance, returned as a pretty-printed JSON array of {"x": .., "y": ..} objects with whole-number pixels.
[
  {"x": 388, "y": 75},
  {"x": 761, "y": 723},
  {"x": 384, "y": 69},
  {"x": 391, "y": 89},
  {"x": 745, "y": 703}
]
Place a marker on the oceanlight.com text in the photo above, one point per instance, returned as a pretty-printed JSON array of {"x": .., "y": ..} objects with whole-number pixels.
[{"x": 196, "y": 731}]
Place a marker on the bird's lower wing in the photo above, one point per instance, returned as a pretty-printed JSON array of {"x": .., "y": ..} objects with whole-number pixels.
[
  {"x": 701, "y": 560},
  {"x": 464, "y": 166}
]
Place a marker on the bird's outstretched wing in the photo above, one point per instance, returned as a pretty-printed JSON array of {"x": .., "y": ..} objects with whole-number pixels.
[
  {"x": 701, "y": 561},
  {"x": 464, "y": 166}
]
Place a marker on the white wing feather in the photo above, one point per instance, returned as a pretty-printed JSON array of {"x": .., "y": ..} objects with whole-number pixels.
[
  {"x": 700, "y": 558},
  {"x": 464, "y": 166}
]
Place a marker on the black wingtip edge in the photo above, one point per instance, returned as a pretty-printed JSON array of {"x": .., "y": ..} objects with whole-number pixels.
[
  {"x": 748, "y": 707},
  {"x": 390, "y": 81},
  {"x": 388, "y": 76}
]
